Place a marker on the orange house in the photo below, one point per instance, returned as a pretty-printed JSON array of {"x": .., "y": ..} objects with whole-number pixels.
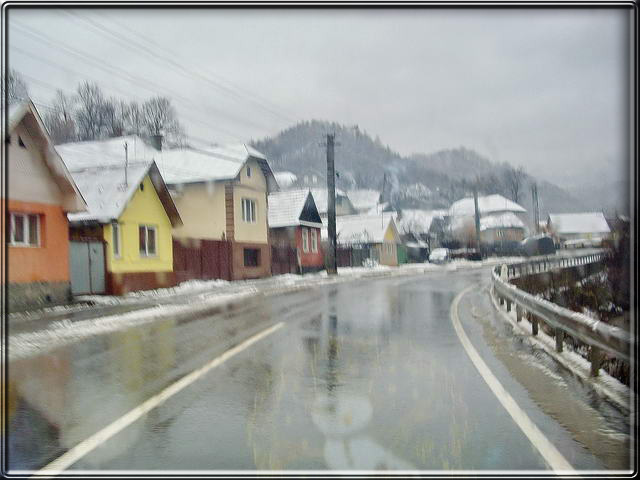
[{"x": 39, "y": 194}]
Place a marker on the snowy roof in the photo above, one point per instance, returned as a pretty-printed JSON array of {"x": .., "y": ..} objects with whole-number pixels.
[
  {"x": 107, "y": 195},
  {"x": 27, "y": 112},
  {"x": 363, "y": 199},
  {"x": 100, "y": 153},
  {"x": 15, "y": 113},
  {"x": 238, "y": 151},
  {"x": 189, "y": 165},
  {"x": 104, "y": 190},
  {"x": 286, "y": 207},
  {"x": 503, "y": 220},
  {"x": 285, "y": 179},
  {"x": 591, "y": 222},
  {"x": 418, "y": 221},
  {"x": 487, "y": 204},
  {"x": 321, "y": 197},
  {"x": 361, "y": 228}
]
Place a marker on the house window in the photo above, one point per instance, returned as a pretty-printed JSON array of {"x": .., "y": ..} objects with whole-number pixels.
[
  {"x": 314, "y": 240},
  {"x": 389, "y": 248},
  {"x": 148, "y": 236},
  {"x": 248, "y": 171},
  {"x": 25, "y": 230},
  {"x": 21, "y": 143},
  {"x": 251, "y": 257},
  {"x": 115, "y": 239},
  {"x": 142, "y": 187},
  {"x": 305, "y": 239},
  {"x": 248, "y": 210}
]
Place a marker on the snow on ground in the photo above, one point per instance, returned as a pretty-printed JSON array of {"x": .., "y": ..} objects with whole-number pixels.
[
  {"x": 194, "y": 296},
  {"x": 64, "y": 332}
]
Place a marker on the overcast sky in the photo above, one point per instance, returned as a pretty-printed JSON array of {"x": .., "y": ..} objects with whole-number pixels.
[{"x": 545, "y": 89}]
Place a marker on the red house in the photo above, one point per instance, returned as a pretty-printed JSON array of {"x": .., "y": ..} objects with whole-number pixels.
[{"x": 294, "y": 222}]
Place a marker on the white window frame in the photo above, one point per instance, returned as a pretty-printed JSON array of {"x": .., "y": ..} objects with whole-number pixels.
[
  {"x": 148, "y": 228},
  {"x": 314, "y": 240},
  {"x": 116, "y": 240},
  {"x": 25, "y": 230},
  {"x": 305, "y": 239},
  {"x": 249, "y": 214}
]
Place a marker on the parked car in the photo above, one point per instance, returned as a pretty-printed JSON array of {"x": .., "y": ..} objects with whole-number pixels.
[
  {"x": 538, "y": 245},
  {"x": 439, "y": 255}
]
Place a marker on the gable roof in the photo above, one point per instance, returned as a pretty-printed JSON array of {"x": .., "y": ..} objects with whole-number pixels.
[
  {"x": 589, "y": 222},
  {"x": 285, "y": 179},
  {"x": 285, "y": 208},
  {"x": 417, "y": 221},
  {"x": 362, "y": 228},
  {"x": 487, "y": 204},
  {"x": 363, "y": 199},
  {"x": 501, "y": 220},
  {"x": 321, "y": 197},
  {"x": 242, "y": 152},
  {"x": 26, "y": 112},
  {"x": 176, "y": 165},
  {"x": 107, "y": 195}
]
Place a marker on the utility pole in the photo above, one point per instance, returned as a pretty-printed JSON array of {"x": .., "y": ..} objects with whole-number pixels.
[
  {"x": 477, "y": 215},
  {"x": 331, "y": 202},
  {"x": 384, "y": 184},
  {"x": 126, "y": 162},
  {"x": 536, "y": 210}
]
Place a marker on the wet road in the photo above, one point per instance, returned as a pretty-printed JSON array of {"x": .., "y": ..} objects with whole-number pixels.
[{"x": 361, "y": 376}]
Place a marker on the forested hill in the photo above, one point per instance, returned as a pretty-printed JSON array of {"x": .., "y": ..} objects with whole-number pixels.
[{"x": 431, "y": 180}]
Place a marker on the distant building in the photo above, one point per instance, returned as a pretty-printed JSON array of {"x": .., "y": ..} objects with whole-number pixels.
[
  {"x": 343, "y": 204},
  {"x": 377, "y": 233},
  {"x": 504, "y": 221},
  {"x": 578, "y": 229},
  {"x": 364, "y": 200},
  {"x": 294, "y": 222}
]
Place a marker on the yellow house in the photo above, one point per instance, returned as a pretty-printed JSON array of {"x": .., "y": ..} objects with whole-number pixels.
[
  {"x": 221, "y": 194},
  {"x": 129, "y": 210},
  {"x": 377, "y": 232}
]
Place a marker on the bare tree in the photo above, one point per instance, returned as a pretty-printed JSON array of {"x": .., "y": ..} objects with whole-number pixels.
[
  {"x": 514, "y": 179},
  {"x": 159, "y": 115},
  {"x": 90, "y": 115},
  {"x": 113, "y": 113},
  {"x": 59, "y": 120},
  {"x": 133, "y": 117},
  {"x": 15, "y": 87}
]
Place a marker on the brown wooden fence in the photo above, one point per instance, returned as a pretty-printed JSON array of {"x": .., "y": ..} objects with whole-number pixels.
[
  {"x": 283, "y": 260},
  {"x": 202, "y": 259}
]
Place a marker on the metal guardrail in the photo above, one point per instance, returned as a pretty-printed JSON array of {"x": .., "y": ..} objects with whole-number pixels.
[{"x": 601, "y": 337}]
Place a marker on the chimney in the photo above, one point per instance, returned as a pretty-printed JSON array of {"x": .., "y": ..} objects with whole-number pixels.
[{"x": 156, "y": 141}]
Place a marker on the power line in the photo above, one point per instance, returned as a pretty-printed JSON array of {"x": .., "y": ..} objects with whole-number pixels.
[
  {"x": 178, "y": 67},
  {"x": 68, "y": 92},
  {"x": 220, "y": 82},
  {"x": 123, "y": 74}
]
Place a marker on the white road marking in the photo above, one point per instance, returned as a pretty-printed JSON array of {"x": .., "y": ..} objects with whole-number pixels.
[
  {"x": 83, "y": 448},
  {"x": 548, "y": 451}
]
